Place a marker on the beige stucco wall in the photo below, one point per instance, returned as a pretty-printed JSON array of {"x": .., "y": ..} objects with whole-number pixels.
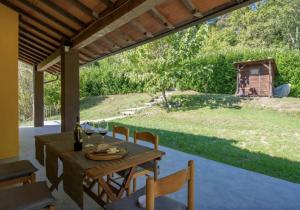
[{"x": 9, "y": 132}]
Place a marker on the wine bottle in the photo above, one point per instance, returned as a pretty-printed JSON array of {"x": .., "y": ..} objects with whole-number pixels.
[{"x": 77, "y": 136}]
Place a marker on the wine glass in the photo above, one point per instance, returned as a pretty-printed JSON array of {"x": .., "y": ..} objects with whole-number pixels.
[
  {"x": 102, "y": 128},
  {"x": 88, "y": 129}
]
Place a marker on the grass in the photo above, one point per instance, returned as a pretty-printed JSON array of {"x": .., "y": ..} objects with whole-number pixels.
[
  {"x": 99, "y": 107},
  {"x": 230, "y": 130}
]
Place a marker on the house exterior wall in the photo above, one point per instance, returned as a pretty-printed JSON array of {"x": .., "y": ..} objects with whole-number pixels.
[{"x": 9, "y": 131}]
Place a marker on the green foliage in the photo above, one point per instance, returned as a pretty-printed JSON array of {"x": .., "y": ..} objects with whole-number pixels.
[
  {"x": 214, "y": 72},
  {"x": 25, "y": 92},
  {"x": 52, "y": 90}
]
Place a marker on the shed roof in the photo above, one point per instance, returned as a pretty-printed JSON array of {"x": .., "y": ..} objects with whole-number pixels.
[
  {"x": 258, "y": 62},
  {"x": 99, "y": 28}
]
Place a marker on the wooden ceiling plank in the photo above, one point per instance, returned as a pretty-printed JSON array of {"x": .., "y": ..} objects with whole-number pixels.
[
  {"x": 31, "y": 47},
  {"x": 33, "y": 27},
  {"x": 124, "y": 36},
  {"x": 191, "y": 7},
  {"x": 158, "y": 16},
  {"x": 85, "y": 57},
  {"x": 138, "y": 26},
  {"x": 26, "y": 60},
  {"x": 64, "y": 13},
  {"x": 96, "y": 48},
  {"x": 49, "y": 16},
  {"x": 87, "y": 53},
  {"x": 110, "y": 43},
  {"x": 24, "y": 13},
  {"x": 84, "y": 8},
  {"x": 29, "y": 52},
  {"x": 29, "y": 56},
  {"x": 106, "y": 49},
  {"x": 28, "y": 33},
  {"x": 29, "y": 41}
]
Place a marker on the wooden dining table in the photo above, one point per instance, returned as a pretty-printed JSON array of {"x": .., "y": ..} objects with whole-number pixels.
[{"x": 80, "y": 174}]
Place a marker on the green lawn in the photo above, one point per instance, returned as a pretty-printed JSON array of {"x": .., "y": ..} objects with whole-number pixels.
[
  {"x": 112, "y": 105},
  {"x": 99, "y": 107},
  {"x": 224, "y": 128}
]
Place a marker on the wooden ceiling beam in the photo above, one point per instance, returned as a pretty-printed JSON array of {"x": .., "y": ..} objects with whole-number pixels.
[
  {"x": 162, "y": 19},
  {"x": 24, "y": 24},
  {"x": 37, "y": 38},
  {"x": 192, "y": 8},
  {"x": 43, "y": 45},
  {"x": 111, "y": 21},
  {"x": 24, "y": 13},
  {"x": 50, "y": 60},
  {"x": 108, "y": 3},
  {"x": 139, "y": 27},
  {"x": 126, "y": 12},
  {"x": 63, "y": 12},
  {"x": 84, "y": 8},
  {"x": 49, "y": 16}
]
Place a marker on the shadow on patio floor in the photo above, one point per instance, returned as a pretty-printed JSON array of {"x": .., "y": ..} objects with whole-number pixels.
[{"x": 225, "y": 151}]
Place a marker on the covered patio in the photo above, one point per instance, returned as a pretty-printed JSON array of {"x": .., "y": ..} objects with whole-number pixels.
[
  {"x": 218, "y": 186},
  {"x": 60, "y": 36}
]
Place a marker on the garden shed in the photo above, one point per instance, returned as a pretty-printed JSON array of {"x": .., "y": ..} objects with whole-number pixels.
[{"x": 255, "y": 78}]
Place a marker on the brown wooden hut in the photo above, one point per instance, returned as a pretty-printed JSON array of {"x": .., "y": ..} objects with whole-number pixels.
[{"x": 255, "y": 78}]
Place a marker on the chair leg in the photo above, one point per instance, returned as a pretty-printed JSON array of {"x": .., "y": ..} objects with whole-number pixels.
[
  {"x": 134, "y": 185},
  {"x": 129, "y": 190},
  {"x": 155, "y": 170}
]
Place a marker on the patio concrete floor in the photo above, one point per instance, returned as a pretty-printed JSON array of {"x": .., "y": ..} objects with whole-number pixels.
[{"x": 218, "y": 186}]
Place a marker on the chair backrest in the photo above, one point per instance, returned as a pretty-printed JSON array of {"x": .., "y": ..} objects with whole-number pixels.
[
  {"x": 170, "y": 184},
  {"x": 121, "y": 130},
  {"x": 146, "y": 136}
]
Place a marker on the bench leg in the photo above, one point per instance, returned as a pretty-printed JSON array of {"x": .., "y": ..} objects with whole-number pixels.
[
  {"x": 51, "y": 207},
  {"x": 32, "y": 178}
]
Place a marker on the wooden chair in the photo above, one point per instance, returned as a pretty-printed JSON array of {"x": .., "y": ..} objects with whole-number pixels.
[
  {"x": 157, "y": 189},
  {"x": 150, "y": 167},
  {"x": 121, "y": 130}
]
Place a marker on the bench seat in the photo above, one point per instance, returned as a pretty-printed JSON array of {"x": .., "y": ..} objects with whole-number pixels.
[
  {"x": 34, "y": 196},
  {"x": 16, "y": 169}
]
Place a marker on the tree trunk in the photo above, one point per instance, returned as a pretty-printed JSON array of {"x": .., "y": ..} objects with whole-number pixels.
[{"x": 165, "y": 98}]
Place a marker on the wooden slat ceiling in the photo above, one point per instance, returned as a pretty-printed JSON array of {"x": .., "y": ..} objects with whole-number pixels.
[{"x": 45, "y": 25}]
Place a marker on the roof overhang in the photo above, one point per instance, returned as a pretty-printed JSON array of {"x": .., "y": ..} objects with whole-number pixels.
[{"x": 102, "y": 28}]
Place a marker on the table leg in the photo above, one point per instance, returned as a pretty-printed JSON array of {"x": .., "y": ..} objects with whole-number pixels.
[{"x": 55, "y": 185}]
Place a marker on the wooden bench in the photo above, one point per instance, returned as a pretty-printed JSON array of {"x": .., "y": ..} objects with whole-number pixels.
[
  {"x": 34, "y": 196},
  {"x": 17, "y": 172}
]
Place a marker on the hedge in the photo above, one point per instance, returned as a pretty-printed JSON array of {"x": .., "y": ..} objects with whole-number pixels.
[
  {"x": 210, "y": 72},
  {"x": 214, "y": 72}
]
